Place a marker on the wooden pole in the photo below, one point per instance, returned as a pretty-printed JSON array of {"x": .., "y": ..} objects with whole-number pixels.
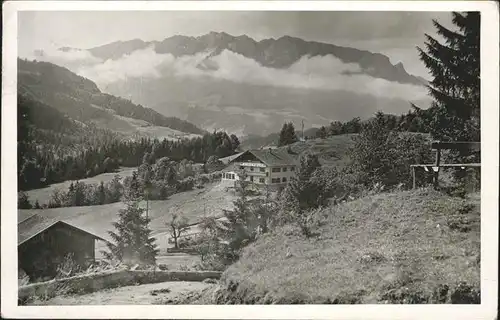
[
  {"x": 436, "y": 173},
  {"x": 413, "y": 176}
]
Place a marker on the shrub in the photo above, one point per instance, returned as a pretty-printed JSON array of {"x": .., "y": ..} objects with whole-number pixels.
[
  {"x": 185, "y": 185},
  {"x": 465, "y": 294},
  {"x": 23, "y": 201},
  {"x": 383, "y": 156}
]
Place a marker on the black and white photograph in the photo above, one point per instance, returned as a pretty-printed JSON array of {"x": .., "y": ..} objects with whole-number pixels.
[{"x": 252, "y": 155}]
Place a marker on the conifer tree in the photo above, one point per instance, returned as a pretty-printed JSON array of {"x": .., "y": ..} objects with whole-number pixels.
[
  {"x": 304, "y": 192},
  {"x": 101, "y": 194},
  {"x": 455, "y": 86},
  {"x": 132, "y": 239},
  {"x": 287, "y": 135},
  {"x": 322, "y": 133}
]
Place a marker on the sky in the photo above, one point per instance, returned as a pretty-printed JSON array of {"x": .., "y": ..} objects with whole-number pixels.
[{"x": 395, "y": 34}]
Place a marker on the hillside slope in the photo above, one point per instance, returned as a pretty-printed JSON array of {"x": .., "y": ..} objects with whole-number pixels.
[
  {"x": 81, "y": 99},
  {"x": 332, "y": 151},
  {"x": 402, "y": 247}
]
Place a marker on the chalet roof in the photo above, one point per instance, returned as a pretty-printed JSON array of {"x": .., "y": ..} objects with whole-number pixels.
[
  {"x": 35, "y": 224},
  {"x": 231, "y": 168},
  {"x": 275, "y": 157},
  {"x": 227, "y": 160}
]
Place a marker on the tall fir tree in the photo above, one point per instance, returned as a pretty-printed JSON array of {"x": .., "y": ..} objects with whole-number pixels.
[
  {"x": 455, "y": 86},
  {"x": 287, "y": 135},
  {"x": 133, "y": 243}
]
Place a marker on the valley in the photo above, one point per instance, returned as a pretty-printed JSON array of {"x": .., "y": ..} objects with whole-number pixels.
[
  {"x": 193, "y": 167},
  {"x": 223, "y": 82}
]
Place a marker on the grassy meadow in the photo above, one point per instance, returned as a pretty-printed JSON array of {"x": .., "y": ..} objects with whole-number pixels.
[
  {"x": 399, "y": 247},
  {"x": 43, "y": 195}
]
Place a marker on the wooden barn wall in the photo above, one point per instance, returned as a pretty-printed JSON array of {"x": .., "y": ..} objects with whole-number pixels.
[{"x": 40, "y": 256}]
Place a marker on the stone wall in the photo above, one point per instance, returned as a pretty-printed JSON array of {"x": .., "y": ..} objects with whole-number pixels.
[{"x": 105, "y": 280}]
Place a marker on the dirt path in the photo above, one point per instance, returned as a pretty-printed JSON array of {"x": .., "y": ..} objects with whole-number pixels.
[{"x": 156, "y": 293}]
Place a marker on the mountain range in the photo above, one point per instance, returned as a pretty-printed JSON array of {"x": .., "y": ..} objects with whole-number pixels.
[
  {"x": 220, "y": 81},
  {"x": 278, "y": 53}
]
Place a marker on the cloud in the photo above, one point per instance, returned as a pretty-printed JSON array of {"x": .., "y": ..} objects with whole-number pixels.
[
  {"x": 326, "y": 73},
  {"x": 141, "y": 63},
  {"x": 70, "y": 58}
]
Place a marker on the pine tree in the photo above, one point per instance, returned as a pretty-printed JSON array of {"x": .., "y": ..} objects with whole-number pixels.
[
  {"x": 115, "y": 189},
  {"x": 455, "y": 87},
  {"x": 132, "y": 239},
  {"x": 134, "y": 188},
  {"x": 101, "y": 194},
  {"x": 322, "y": 133},
  {"x": 287, "y": 135},
  {"x": 238, "y": 229},
  {"x": 302, "y": 194}
]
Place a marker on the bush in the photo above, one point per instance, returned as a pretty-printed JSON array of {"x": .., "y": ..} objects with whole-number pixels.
[
  {"x": 185, "y": 185},
  {"x": 23, "y": 201},
  {"x": 383, "y": 156}
]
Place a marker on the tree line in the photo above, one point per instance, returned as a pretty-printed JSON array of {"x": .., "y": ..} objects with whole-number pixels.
[
  {"x": 156, "y": 181},
  {"x": 46, "y": 156}
]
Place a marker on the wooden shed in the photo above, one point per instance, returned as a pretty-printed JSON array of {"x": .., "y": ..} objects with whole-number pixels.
[{"x": 43, "y": 245}]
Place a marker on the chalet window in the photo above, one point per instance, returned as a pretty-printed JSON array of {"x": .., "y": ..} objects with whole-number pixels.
[
  {"x": 285, "y": 169},
  {"x": 261, "y": 180},
  {"x": 284, "y": 180},
  {"x": 262, "y": 169},
  {"x": 251, "y": 168},
  {"x": 267, "y": 174},
  {"x": 251, "y": 178},
  {"x": 292, "y": 169},
  {"x": 276, "y": 169},
  {"x": 275, "y": 180}
]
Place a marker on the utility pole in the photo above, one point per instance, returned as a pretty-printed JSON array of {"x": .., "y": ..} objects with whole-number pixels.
[
  {"x": 147, "y": 205},
  {"x": 303, "y": 129}
]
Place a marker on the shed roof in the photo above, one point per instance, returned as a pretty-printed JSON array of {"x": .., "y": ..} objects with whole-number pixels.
[{"x": 35, "y": 224}]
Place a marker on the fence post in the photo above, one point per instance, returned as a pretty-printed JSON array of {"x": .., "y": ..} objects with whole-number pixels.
[
  {"x": 436, "y": 173},
  {"x": 413, "y": 176}
]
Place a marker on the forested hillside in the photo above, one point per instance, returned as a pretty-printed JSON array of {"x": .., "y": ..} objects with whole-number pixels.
[
  {"x": 81, "y": 99},
  {"x": 52, "y": 147}
]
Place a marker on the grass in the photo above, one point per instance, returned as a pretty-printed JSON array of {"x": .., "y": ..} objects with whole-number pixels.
[
  {"x": 401, "y": 247},
  {"x": 43, "y": 195},
  {"x": 332, "y": 150},
  {"x": 98, "y": 219}
]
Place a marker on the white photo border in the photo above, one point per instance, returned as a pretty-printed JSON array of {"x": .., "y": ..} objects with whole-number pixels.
[{"x": 489, "y": 173}]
